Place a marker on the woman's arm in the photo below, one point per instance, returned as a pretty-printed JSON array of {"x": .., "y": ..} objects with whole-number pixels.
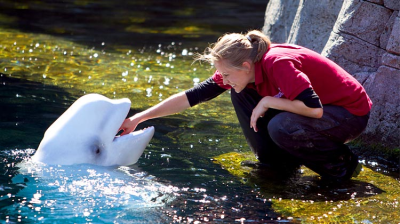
[
  {"x": 174, "y": 104},
  {"x": 295, "y": 106},
  {"x": 202, "y": 92}
]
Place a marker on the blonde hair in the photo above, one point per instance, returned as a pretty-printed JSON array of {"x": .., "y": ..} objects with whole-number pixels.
[{"x": 236, "y": 48}]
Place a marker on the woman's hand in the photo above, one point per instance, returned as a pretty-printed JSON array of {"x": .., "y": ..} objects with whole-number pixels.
[
  {"x": 258, "y": 112},
  {"x": 295, "y": 106},
  {"x": 129, "y": 125}
]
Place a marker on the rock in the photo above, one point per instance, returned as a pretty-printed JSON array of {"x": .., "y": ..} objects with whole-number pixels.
[
  {"x": 362, "y": 36},
  {"x": 280, "y": 16},
  {"x": 391, "y": 60},
  {"x": 307, "y": 23},
  {"x": 352, "y": 53},
  {"x": 392, "y": 4},
  {"x": 387, "y": 31},
  {"x": 384, "y": 124},
  {"x": 356, "y": 20},
  {"x": 366, "y": 79},
  {"x": 393, "y": 45},
  {"x": 313, "y": 22}
]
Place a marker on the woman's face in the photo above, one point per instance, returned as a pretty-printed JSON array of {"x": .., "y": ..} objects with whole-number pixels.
[{"x": 237, "y": 78}]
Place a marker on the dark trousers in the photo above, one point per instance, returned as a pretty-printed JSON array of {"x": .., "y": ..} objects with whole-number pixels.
[{"x": 288, "y": 138}]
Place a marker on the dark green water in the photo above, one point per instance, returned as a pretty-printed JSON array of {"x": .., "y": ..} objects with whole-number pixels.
[{"x": 53, "y": 52}]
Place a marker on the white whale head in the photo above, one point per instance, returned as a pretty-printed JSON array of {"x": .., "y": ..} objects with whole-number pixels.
[{"x": 85, "y": 134}]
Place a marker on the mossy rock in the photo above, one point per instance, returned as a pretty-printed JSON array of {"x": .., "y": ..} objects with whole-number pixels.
[{"x": 370, "y": 197}]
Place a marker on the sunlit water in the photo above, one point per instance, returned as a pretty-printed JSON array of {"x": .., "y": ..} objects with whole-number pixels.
[
  {"x": 84, "y": 193},
  {"x": 145, "y": 53}
]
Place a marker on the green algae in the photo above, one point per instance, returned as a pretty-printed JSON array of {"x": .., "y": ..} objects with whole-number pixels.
[
  {"x": 55, "y": 61},
  {"x": 371, "y": 197},
  {"x": 182, "y": 29}
]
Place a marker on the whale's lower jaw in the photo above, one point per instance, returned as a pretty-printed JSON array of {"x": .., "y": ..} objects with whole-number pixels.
[{"x": 126, "y": 150}]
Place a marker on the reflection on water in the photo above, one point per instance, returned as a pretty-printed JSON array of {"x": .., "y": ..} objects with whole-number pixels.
[
  {"x": 53, "y": 52},
  {"x": 91, "y": 193},
  {"x": 133, "y": 23}
]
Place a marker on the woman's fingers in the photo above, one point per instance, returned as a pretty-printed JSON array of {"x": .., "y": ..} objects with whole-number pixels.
[
  {"x": 123, "y": 132},
  {"x": 258, "y": 112},
  {"x": 254, "y": 118},
  {"x": 126, "y": 127},
  {"x": 253, "y": 121}
]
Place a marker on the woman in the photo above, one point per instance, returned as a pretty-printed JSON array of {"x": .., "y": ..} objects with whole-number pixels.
[{"x": 293, "y": 105}]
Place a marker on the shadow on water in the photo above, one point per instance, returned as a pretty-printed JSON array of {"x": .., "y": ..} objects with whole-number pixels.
[
  {"x": 27, "y": 109},
  {"x": 304, "y": 187},
  {"x": 303, "y": 194}
]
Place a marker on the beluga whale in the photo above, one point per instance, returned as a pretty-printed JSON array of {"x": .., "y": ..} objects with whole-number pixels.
[{"x": 86, "y": 134}]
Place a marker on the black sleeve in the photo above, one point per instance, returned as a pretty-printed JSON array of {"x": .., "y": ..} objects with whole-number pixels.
[
  {"x": 204, "y": 91},
  {"x": 310, "y": 98}
]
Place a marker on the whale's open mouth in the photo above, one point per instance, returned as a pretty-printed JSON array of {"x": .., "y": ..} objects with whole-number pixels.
[{"x": 118, "y": 135}]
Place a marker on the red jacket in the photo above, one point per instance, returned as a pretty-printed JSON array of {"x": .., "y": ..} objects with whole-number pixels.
[{"x": 286, "y": 70}]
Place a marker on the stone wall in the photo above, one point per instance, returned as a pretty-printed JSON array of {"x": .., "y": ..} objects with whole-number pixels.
[{"x": 361, "y": 36}]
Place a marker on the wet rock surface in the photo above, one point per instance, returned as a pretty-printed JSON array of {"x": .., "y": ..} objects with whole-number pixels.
[{"x": 364, "y": 38}]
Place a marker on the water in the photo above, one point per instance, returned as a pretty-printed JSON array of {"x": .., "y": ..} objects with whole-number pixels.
[
  {"x": 55, "y": 51},
  {"x": 52, "y": 194}
]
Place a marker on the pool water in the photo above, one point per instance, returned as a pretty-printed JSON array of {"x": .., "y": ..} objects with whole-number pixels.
[
  {"x": 53, "y": 52},
  {"x": 81, "y": 192}
]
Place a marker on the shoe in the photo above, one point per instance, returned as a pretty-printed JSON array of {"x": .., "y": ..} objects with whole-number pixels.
[
  {"x": 254, "y": 164},
  {"x": 271, "y": 171},
  {"x": 353, "y": 170},
  {"x": 357, "y": 171}
]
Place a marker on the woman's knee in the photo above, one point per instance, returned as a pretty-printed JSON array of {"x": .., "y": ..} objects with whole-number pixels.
[
  {"x": 286, "y": 130},
  {"x": 277, "y": 129}
]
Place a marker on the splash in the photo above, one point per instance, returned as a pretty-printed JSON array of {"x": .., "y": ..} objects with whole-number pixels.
[{"x": 86, "y": 193}]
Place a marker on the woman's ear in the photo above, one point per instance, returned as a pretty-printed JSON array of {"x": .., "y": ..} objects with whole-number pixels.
[
  {"x": 246, "y": 66},
  {"x": 249, "y": 68}
]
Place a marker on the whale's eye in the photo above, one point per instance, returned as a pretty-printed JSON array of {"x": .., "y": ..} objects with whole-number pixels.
[{"x": 97, "y": 150}]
